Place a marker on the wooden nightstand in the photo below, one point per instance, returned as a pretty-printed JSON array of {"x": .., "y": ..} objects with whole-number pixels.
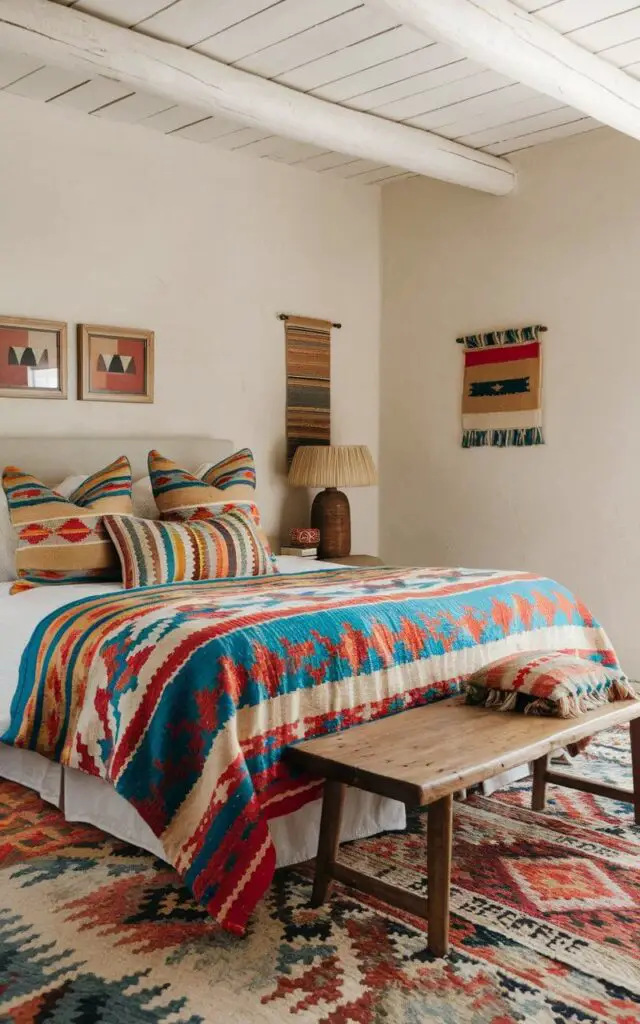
[{"x": 357, "y": 560}]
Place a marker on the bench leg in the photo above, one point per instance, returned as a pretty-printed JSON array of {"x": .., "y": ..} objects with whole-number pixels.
[
  {"x": 439, "y": 838},
  {"x": 635, "y": 761},
  {"x": 329, "y": 840},
  {"x": 539, "y": 789}
]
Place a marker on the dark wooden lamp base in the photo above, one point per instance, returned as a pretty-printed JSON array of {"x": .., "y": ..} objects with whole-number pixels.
[{"x": 331, "y": 515}]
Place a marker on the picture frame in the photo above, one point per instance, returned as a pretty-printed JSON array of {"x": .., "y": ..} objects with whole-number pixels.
[
  {"x": 115, "y": 364},
  {"x": 33, "y": 358}
]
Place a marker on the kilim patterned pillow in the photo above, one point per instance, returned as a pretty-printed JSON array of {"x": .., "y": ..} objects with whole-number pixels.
[
  {"x": 547, "y": 683},
  {"x": 181, "y": 495},
  {"x": 153, "y": 553},
  {"x": 64, "y": 540},
  {"x": 228, "y": 484},
  {"x": 237, "y": 470}
]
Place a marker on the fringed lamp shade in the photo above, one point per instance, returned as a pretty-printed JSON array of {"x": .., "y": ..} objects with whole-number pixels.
[{"x": 332, "y": 466}]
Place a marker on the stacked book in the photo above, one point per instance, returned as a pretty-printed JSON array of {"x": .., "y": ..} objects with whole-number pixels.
[
  {"x": 293, "y": 549},
  {"x": 303, "y": 542}
]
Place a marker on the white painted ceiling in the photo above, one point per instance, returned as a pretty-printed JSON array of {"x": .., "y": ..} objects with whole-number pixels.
[{"x": 348, "y": 53}]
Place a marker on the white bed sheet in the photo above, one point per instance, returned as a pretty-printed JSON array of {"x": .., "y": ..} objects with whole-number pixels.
[{"x": 90, "y": 800}]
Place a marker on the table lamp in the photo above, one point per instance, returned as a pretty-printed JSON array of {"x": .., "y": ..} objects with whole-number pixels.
[{"x": 331, "y": 467}]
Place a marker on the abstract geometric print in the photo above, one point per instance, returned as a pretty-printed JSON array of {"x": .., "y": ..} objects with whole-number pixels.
[
  {"x": 95, "y": 931},
  {"x": 308, "y": 383},
  {"x": 502, "y": 389},
  {"x": 28, "y": 358},
  {"x": 108, "y": 363},
  {"x": 117, "y": 364}
]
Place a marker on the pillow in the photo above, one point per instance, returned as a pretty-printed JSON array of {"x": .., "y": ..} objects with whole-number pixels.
[
  {"x": 182, "y": 495},
  {"x": 237, "y": 470},
  {"x": 144, "y": 503},
  {"x": 8, "y": 536},
  {"x": 70, "y": 484},
  {"x": 153, "y": 553},
  {"x": 547, "y": 683},
  {"x": 64, "y": 540},
  {"x": 8, "y": 543}
]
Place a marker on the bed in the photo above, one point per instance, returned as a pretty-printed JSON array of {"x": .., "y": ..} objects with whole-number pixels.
[
  {"x": 185, "y": 697},
  {"x": 82, "y": 797}
]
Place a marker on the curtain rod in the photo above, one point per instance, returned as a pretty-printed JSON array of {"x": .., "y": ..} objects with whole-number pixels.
[{"x": 286, "y": 316}]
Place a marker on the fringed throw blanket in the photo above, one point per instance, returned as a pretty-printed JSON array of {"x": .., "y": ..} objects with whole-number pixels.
[
  {"x": 502, "y": 390},
  {"x": 184, "y": 697},
  {"x": 556, "y": 683}
]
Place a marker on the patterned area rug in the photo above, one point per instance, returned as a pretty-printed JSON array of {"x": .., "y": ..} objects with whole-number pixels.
[{"x": 545, "y": 925}]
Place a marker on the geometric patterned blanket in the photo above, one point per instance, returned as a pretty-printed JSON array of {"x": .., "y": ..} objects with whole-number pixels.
[{"x": 185, "y": 696}]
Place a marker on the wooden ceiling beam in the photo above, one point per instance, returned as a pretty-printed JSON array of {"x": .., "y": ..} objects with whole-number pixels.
[
  {"x": 503, "y": 37},
  {"x": 68, "y": 38}
]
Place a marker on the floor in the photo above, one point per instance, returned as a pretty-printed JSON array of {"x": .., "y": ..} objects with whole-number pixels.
[{"x": 545, "y": 924}]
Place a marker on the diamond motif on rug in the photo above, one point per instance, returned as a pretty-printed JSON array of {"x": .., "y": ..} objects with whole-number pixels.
[{"x": 568, "y": 883}]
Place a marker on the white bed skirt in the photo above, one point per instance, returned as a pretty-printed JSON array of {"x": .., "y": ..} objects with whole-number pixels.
[{"x": 89, "y": 800}]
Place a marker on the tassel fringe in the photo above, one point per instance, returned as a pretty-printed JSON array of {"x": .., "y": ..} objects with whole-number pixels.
[
  {"x": 570, "y": 706},
  {"x": 515, "y": 336},
  {"x": 519, "y": 438}
]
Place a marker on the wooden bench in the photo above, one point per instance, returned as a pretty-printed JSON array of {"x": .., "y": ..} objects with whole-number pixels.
[{"x": 424, "y": 756}]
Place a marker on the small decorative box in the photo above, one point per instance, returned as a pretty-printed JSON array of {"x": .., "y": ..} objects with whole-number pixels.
[{"x": 304, "y": 536}]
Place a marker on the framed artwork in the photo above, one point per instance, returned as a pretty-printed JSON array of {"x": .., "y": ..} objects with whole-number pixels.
[
  {"x": 115, "y": 364},
  {"x": 33, "y": 358}
]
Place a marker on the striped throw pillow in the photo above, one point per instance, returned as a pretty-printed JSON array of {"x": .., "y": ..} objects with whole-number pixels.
[
  {"x": 153, "y": 553},
  {"x": 182, "y": 495},
  {"x": 63, "y": 540},
  {"x": 237, "y": 470}
]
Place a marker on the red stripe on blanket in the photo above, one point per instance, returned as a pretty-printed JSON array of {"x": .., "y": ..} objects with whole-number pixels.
[
  {"x": 249, "y": 885},
  {"x": 502, "y": 354},
  {"x": 253, "y": 890}
]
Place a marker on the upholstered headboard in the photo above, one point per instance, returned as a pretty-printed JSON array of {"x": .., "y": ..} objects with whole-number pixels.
[{"x": 53, "y": 458}]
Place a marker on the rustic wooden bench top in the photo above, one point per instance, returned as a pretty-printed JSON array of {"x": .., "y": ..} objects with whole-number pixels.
[{"x": 420, "y": 755}]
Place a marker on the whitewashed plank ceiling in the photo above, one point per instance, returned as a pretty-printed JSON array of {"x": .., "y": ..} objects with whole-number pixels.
[{"x": 349, "y": 53}]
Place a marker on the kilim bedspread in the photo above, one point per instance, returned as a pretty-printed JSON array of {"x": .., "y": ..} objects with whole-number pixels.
[{"x": 184, "y": 697}]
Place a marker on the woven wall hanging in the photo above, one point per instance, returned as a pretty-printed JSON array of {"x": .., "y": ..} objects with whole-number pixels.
[
  {"x": 502, "y": 388},
  {"x": 308, "y": 345}
]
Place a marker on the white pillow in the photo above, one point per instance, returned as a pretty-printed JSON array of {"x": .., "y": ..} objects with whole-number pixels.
[
  {"x": 8, "y": 542},
  {"x": 144, "y": 503},
  {"x": 69, "y": 485}
]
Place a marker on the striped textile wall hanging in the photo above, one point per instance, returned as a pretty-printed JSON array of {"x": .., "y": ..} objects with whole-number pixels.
[
  {"x": 308, "y": 382},
  {"x": 502, "y": 388}
]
